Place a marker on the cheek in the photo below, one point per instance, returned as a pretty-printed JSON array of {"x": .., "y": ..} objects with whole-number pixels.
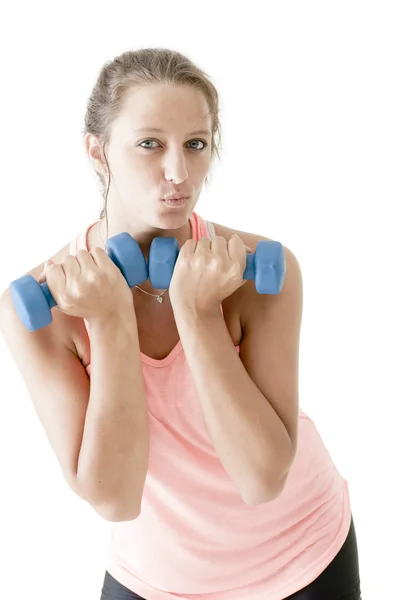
[{"x": 135, "y": 169}]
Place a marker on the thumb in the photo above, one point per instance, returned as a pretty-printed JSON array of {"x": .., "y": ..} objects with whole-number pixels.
[
  {"x": 247, "y": 248},
  {"x": 42, "y": 276}
]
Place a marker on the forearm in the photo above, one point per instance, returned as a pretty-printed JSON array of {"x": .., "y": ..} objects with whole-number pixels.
[
  {"x": 113, "y": 459},
  {"x": 249, "y": 437}
]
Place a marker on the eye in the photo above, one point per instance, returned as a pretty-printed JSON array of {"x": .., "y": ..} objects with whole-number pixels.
[
  {"x": 201, "y": 142},
  {"x": 205, "y": 144},
  {"x": 145, "y": 141}
]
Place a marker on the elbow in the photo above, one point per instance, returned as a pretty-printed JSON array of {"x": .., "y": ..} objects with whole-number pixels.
[
  {"x": 263, "y": 493},
  {"x": 109, "y": 511},
  {"x": 116, "y": 514},
  {"x": 261, "y": 497},
  {"x": 272, "y": 485}
]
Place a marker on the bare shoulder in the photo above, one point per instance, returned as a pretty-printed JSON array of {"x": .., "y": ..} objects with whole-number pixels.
[{"x": 249, "y": 238}]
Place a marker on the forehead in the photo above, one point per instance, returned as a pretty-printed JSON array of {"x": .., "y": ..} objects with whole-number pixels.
[{"x": 165, "y": 107}]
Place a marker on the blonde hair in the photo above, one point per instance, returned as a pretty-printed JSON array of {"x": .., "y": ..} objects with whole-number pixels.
[{"x": 140, "y": 67}]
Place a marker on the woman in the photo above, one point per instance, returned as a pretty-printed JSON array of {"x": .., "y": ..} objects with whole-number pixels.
[{"x": 175, "y": 412}]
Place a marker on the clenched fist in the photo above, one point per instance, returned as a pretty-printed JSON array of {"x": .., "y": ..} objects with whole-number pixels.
[{"x": 88, "y": 285}]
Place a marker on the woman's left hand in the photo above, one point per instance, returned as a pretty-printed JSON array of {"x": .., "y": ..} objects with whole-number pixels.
[{"x": 206, "y": 272}]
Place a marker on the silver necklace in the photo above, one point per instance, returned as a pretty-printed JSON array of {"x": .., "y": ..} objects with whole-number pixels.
[{"x": 157, "y": 296}]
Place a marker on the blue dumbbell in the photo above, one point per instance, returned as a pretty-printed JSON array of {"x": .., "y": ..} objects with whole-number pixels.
[
  {"x": 266, "y": 266},
  {"x": 33, "y": 301}
]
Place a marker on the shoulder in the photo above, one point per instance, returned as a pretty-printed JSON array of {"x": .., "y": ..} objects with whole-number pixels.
[
  {"x": 249, "y": 238},
  {"x": 250, "y": 302}
]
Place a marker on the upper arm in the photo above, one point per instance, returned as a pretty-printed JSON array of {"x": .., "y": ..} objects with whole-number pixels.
[
  {"x": 270, "y": 346},
  {"x": 56, "y": 381}
]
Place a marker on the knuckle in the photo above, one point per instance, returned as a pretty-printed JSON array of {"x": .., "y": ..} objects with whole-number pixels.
[
  {"x": 65, "y": 301},
  {"x": 81, "y": 252},
  {"x": 72, "y": 295},
  {"x": 216, "y": 263},
  {"x": 185, "y": 258},
  {"x": 199, "y": 259},
  {"x": 93, "y": 277},
  {"x": 97, "y": 250}
]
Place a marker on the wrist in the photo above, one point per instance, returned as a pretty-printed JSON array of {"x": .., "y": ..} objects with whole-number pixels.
[
  {"x": 120, "y": 317},
  {"x": 191, "y": 315}
]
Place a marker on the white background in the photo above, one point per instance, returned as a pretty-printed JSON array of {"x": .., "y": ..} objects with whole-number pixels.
[{"x": 309, "y": 110}]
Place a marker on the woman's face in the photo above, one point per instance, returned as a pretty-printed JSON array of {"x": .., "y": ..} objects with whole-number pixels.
[{"x": 147, "y": 165}]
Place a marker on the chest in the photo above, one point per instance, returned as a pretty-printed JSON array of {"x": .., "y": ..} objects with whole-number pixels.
[{"x": 157, "y": 330}]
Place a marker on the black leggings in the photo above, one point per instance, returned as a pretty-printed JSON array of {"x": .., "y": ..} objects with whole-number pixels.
[{"x": 339, "y": 581}]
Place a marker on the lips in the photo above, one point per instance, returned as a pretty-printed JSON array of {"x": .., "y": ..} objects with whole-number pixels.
[
  {"x": 180, "y": 202},
  {"x": 176, "y": 197}
]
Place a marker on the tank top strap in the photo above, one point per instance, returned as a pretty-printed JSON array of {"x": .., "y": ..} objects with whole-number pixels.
[{"x": 202, "y": 228}]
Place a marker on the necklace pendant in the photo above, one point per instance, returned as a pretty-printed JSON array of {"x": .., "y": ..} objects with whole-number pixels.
[{"x": 160, "y": 299}]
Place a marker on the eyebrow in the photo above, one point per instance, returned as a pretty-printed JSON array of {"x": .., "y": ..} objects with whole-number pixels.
[{"x": 199, "y": 132}]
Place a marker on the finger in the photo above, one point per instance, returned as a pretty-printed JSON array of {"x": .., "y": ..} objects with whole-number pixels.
[
  {"x": 188, "y": 247},
  {"x": 100, "y": 257},
  {"x": 219, "y": 245},
  {"x": 203, "y": 244},
  {"x": 42, "y": 276},
  {"x": 219, "y": 241},
  {"x": 247, "y": 248},
  {"x": 55, "y": 277},
  {"x": 84, "y": 259},
  {"x": 235, "y": 248}
]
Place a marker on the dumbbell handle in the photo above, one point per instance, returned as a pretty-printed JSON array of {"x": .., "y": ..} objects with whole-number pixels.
[
  {"x": 249, "y": 272},
  {"x": 48, "y": 295}
]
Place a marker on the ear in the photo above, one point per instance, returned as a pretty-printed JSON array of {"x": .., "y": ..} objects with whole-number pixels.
[{"x": 94, "y": 152}]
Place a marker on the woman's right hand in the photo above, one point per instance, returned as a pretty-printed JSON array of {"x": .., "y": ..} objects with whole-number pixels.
[{"x": 88, "y": 285}]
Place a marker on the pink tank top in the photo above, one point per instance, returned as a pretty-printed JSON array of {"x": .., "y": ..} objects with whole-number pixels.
[{"x": 195, "y": 538}]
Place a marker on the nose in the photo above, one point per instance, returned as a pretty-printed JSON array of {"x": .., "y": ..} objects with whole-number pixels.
[{"x": 175, "y": 167}]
